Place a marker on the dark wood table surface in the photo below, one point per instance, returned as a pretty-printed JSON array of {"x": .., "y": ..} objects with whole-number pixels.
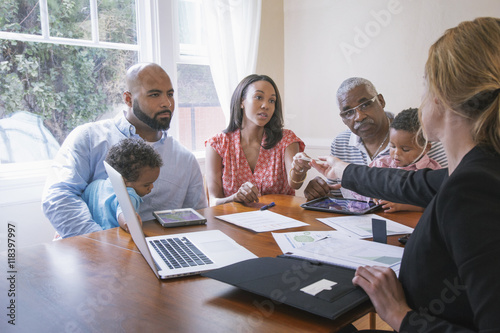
[{"x": 99, "y": 282}]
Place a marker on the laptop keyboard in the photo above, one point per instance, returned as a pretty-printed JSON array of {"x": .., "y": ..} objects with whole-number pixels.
[{"x": 179, "y": 253}]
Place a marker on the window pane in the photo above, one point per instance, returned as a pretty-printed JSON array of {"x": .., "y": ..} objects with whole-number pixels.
[
  {"x": 20, "y": 16},
  {"x": 70, "y": 19},
  {"x": 198, "y": 108},
  {"x": 117, "y": 21},
  {"x": 65, "y": 86},
  {"x": 190, "y": 28}
]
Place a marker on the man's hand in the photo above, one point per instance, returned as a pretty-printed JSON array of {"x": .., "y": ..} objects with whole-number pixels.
[{"x": 318, "y": 188}]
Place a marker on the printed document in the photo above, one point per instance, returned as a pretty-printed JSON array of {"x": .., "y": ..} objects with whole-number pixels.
[
  {"x": 350, "y": 252},
  {"x": 360, "y": 226},
  {"x": 261, "y": 221},
  {"x": 287, "y": 241}
]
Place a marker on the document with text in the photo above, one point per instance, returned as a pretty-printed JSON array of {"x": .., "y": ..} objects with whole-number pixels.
[
  {"x": 350, "y": 252},
  {"x": 261, "y": 221},
  {"x": 287, "y": 241},
  {"x": 360, "y": 226}
]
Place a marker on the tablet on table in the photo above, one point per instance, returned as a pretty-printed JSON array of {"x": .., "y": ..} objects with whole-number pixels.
[{"x": 340, "y": 205}]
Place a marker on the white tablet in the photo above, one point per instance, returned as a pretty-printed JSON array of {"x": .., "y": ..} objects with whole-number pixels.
[{"x": 179, "y": 217}]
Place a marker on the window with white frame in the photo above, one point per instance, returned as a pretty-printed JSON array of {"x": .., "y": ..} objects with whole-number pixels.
[
  {"x": 198, "y": 109},
  {"x": 62, "y": 64}
]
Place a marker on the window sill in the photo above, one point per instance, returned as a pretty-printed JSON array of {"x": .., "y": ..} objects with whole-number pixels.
[
  {"x": 22, "y": 183},
  {"x": 30, "y": 172},
  {"x": 24, "y": 170},
  {"x": 200, "y": 156}
]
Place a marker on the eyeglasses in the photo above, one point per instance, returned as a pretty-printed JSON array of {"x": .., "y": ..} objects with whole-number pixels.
[{"x": 363, "y": 107}]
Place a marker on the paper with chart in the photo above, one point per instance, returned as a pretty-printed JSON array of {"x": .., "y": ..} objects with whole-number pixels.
[
  {"x": 261, "y": 220},
  {"x": 350, "y": 252},
  {"x": 360, "y": 226},
  {"x": 287, "y": 241}
]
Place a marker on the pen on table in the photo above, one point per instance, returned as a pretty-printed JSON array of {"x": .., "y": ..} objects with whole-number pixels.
[{"x": 272, "y": 204}]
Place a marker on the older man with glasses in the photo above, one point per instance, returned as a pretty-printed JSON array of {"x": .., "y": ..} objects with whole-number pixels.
[{"x": 362, "y": 110}]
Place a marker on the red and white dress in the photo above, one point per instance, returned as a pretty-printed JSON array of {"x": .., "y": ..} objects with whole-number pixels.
[{"x": 269, "y": 175}]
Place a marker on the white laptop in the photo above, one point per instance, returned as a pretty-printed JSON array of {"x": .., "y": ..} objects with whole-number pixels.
[{"x": 171, "y": 256}]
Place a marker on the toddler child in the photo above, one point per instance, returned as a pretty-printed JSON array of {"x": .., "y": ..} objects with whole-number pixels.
[
  {"x": 407, "y": 150},
  {"x": 139, "y": 164}
]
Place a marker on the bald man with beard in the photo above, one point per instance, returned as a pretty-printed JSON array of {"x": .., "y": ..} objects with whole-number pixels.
[{"x": 150, "y": 108}]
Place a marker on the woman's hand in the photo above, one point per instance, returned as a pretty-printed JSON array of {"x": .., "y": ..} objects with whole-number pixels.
[
  {"x": 297, "y": 170},
  {"x": 330, "y": 166},
  {"x": 247, "y": 192},
  {"x": 300, "y": 163},
  {"x": 385, "y": 291}
]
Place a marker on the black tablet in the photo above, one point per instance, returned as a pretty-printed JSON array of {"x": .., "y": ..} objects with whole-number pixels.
[{"x": 341, "y": 205}]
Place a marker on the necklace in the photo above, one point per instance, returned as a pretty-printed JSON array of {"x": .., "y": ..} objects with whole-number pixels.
[
  {"x": 382, "y": 144},
  {"x": 380, "y": 147}
]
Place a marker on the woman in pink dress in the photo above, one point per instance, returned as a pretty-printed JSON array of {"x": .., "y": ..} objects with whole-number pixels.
[{"x": 253, "y": 155}]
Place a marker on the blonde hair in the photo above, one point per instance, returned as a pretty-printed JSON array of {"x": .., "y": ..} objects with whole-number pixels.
[{"x": 463, "y": 71}]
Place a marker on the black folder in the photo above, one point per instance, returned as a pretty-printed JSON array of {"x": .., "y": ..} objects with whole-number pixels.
[{"x": 281, "y": 280}]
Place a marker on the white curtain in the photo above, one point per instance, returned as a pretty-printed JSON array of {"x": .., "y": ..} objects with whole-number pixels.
[{"x": 232, "y": 32}]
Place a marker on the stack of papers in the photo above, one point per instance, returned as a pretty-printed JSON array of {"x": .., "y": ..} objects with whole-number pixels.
[
  {"x": 261, "y": 221},
  {"x": 345, "y": 247},
  {"x": 339, "y": 250}
]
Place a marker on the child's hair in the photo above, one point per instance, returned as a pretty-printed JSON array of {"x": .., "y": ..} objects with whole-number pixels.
[
  {"x": 407, "y": 120},
  {"x": 130, "y": 155}
]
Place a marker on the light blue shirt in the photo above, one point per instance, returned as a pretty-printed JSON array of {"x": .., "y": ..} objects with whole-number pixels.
[
  {"x": 79, "y": 162},
  {"x": 103, "y": 203}
]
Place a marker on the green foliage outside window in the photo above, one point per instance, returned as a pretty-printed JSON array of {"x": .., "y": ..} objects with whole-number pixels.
[{"x": 65, "y": 85}]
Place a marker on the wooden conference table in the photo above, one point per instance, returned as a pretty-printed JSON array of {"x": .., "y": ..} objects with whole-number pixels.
[{"x": 99, "y": 282}]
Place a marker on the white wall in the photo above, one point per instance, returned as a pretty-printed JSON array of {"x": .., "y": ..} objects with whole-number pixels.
[
  {"x": 271, "y": 42},
  {"x": 388, "y": 42}
]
